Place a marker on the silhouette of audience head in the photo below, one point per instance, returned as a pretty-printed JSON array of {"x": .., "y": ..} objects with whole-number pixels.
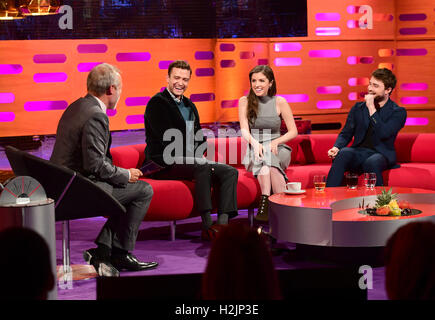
[
  {"x": 24, "y": 265},
  {"x": 410, "y": 262},
  {"x": 240, "y": 266}
]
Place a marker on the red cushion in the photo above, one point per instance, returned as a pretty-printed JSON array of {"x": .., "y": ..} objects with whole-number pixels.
[
  {"x": 172, "y": 200},
  {"x": 128, "y": 156},
  {"x": 415, "y": 147},
  {"x": 305, "y": 173},
  {"x": 413, "y": 175}
]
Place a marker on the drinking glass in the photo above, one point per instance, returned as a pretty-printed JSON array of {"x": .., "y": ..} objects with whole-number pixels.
[
  {"x": 351, "y": 180},
  {"x": 370, "y": 180},
  {"x": 319, "y": 182}
]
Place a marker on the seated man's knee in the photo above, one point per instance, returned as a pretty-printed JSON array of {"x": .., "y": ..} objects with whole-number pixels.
[
  {"x": 145, "y": 189},
  {"x": 375, "y": 163},
  {"x": 345, "y": 153}
]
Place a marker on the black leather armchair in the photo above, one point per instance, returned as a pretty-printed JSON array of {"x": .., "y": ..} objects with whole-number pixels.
[{"x": 75, "y": 196}]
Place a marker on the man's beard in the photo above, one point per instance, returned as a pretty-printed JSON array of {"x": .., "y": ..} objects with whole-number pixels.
[{"x": 376, "y": 102}]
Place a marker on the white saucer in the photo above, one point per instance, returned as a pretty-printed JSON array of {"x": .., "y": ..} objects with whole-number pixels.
[{"x": 294, "y": 192}]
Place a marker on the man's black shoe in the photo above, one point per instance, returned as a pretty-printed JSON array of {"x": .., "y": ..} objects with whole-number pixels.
[
  {"x": 130, "y": 262},
  {"x": 102, "y": 265}
]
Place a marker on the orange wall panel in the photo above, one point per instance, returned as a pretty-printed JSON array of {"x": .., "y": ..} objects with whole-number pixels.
[{"x": 321, "y": 75}]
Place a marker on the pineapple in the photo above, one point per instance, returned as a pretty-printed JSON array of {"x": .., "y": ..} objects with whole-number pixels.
[{"x": 385, "y": 198}]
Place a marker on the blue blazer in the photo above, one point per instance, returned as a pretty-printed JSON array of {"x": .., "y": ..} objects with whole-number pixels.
[{"x": 387, "y": 122}]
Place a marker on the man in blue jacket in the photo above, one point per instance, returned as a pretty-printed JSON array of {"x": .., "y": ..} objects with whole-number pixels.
[{"x": 374, "y": 125}]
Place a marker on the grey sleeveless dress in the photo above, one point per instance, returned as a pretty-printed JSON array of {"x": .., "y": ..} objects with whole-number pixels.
[{"x": 266, "y": 128}]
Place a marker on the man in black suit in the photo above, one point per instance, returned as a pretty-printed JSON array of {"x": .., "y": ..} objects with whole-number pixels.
[
  {"x": 175, "y": 141},
  {"x": 83, "y": 144},
  {"x": 374, "y": 125}
]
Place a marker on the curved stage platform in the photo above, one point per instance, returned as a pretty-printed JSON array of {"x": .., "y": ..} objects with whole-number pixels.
[{"x": 331, "y": 218}]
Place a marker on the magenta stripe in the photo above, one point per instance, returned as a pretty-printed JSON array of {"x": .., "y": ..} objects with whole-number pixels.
[
  {"x": 229, "y": 103},
  {"x": 49, "y": 58},
  {"x": 136, "y": 101},
  {"x": 134, "y": 119},
  {"x": 7, "y": 97},
  {"x": 227, "y": 47},
  {"x": 133, "y": 56},
  {"x": 333, "y": 53},
  {"x": 7, "y": 116},
  {"x": 363, "y": 60},
  {"x": 411, "y": 31},
  {"x": 111, "y": 112},
  {"x": 228, "y": 63},
  {"x": 417, "y": 122},
  {"x": 87, "y": 66},
  {"x": 45, "y": 105},
  {"x": 263, "y": 61},
  {"x": 366, "y": 60},
  {"x": 10, "y": 68},
  {"x": 204, "y": 72},
  {"x": 198, "y": 97},
  {"x": 285, "y": 62},
  {"x": 328, "y": 31},
  {"x": 92, "y": 48},
  {"x": 164, "y": 64},
  {"x": 287, "y": 46},
  {"x": 414, "y": 100},
  {"x": 204, "y": 55},
  {"x": 329, "y": 16},
  {"x": 247, "y": 54},
  {"x": 329, "y": 90},
  {"x": 50, "y": 77},
  {"x": 358, "y": 81},
  {"x": 412, "y": 17},
  {"x": 329, "y": 104},
  {"x": 411, "y": 52},
  {"x": 414, "y": 86},
  {"x": 295, "y": 97},
  {"x": 352, "y": 96}
]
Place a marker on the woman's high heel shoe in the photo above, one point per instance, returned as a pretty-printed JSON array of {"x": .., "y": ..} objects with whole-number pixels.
[{"x": 263, "y": 209}]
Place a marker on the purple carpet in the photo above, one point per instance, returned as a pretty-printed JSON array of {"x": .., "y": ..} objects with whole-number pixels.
[{"x": 187, "y": 254}]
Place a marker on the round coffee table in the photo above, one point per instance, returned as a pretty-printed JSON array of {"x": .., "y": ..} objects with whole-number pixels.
[{"x": 331, "y": 218}]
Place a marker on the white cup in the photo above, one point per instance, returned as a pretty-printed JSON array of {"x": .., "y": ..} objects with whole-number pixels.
[{"x": 293, "y": 186}]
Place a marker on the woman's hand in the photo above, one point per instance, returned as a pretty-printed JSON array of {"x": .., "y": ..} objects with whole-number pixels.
[
  {"x": 258, "y": 150},
  {"x": 274, "y": 147}
]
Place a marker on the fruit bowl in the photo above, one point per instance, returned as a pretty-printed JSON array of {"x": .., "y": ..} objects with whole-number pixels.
[
  {"x": 387, "y": 205},
  {"x": 404, "y": 212}
]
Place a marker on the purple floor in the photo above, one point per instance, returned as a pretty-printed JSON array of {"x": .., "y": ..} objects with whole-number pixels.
[{"x": 187, "y": 254}]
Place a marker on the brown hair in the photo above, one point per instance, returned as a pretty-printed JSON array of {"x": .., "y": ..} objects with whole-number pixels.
[
  {"x": 240, "y": 266},
  {"x": 410, "y": 262},
  {"x": 180, "y": 64},
  {"x": 386, "y": 76},
  {"x": 252, "y": 97}
]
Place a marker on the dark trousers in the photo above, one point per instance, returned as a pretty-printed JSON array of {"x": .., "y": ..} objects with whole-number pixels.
[
  {"x": 356, "y": 160},
  {"x": 121, "y": 231},
  {"x": 206, "y": 174}
]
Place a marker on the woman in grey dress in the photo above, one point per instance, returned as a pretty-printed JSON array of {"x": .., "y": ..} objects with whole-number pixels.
[{"x": 260, "y": 115}]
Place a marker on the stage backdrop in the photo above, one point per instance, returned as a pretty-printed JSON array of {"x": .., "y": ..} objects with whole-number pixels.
[{"x": 322, "y": 58}]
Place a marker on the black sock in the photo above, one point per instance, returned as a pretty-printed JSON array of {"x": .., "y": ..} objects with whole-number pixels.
[
  {"x": 223, "y": 218},
  {"x": 118, "y": 251},
  {"x": 206, "y": 220},
  {"x": 103, "y": 250}
]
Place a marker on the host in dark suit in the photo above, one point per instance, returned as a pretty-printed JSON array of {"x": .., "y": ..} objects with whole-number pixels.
[
  {"x": 83, "y": 144},
  {"x": 374, "y": 125},
  {"x": 175, "y": 141}
]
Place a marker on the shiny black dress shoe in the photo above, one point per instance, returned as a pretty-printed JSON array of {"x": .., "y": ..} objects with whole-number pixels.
[
  {"x": 130, "y": 262},
  {"x": 211, "y": 233},
  {"x": 102, "y": 265}
]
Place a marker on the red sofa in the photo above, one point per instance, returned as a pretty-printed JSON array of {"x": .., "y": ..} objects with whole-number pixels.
[{"x": 173, "y": 200}]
